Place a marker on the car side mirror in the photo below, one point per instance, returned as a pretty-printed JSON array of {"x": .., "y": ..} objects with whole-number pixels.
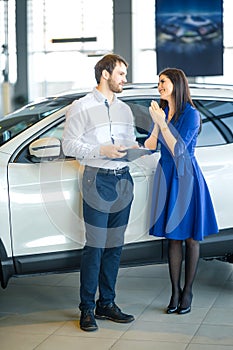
[{"x": 47, "y": 148}]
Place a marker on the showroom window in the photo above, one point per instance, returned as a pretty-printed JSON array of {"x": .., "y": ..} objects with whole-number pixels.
[{"x": 55, "y": 65}]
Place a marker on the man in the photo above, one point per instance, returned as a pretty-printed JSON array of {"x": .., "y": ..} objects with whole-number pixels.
[{"x": 99, "y": 128}]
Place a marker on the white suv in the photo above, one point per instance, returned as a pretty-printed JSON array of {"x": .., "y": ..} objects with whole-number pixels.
[{"x": 42, "y": 228}]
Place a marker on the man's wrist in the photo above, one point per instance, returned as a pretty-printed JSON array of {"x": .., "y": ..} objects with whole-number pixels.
[{"x": 101, "y": 151}]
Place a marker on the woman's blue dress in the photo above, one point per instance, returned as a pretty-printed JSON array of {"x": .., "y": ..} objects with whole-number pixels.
[{"x": 181, "y": 204}]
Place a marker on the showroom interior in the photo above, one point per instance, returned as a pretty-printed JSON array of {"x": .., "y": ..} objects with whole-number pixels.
[
  {"x": 29, "y": 53},
  {"x": 49, "y": 47}
]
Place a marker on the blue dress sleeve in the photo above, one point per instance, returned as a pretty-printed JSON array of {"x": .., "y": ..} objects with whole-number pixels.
[{"x": 188, "y": 128}]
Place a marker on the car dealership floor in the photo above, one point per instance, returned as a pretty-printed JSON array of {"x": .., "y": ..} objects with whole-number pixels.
[{"x": 41, "y": 312}]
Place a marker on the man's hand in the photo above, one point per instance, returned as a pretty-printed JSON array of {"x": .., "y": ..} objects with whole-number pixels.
[{"x": 112, "y": 151}]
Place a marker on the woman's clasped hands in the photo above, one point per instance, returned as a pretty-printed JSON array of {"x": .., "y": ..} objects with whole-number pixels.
[{"x": 157, "y": 113}]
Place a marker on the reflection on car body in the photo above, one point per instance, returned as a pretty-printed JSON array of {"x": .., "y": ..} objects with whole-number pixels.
[{"x": 42, "y": 229}]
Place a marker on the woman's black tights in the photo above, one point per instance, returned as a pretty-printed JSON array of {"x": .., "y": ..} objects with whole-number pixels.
[{"x": 175, "y": 257}]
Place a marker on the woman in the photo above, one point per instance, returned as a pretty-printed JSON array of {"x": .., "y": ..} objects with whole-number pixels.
[{"x": 182, "y": 210}]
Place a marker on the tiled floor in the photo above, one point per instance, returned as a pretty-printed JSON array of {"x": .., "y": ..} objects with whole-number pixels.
[{"x": 41, "y": 313}]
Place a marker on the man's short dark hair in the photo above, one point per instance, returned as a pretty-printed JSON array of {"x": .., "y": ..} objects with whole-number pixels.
[{"x": 108, "y": 62}]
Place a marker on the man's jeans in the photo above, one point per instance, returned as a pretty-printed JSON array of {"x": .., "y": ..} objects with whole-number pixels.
[{"x": 107, "y": 200}]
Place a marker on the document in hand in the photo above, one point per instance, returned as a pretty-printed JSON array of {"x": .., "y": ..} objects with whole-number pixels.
[{"x": 134, "y": 153}]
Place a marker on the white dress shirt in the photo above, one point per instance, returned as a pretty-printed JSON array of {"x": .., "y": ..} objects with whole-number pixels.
[{"x": 91, "y": 122}]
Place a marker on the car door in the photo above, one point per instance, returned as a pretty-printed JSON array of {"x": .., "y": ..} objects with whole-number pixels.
[
  {"x": 142, "y": 171},
  {"x": 45, "y": 202},
  {"x": 214, "y": 153}
]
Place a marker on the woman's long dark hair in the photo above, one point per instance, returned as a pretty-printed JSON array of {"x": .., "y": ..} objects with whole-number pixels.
[{"x": 181, "y": 92}]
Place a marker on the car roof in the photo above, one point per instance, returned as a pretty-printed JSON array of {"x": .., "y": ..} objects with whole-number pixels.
[
  {"x": 197, "y": 90},
  {"x": 136, "y": 90}
]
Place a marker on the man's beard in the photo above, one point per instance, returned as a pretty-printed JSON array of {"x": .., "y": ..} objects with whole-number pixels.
[{"x": 113, "y": 87}]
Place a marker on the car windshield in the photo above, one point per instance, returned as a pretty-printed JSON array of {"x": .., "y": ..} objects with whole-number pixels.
[{"x": 13, "y": 124}]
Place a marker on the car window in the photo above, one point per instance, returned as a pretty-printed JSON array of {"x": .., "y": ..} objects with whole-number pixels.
[
  {"x": 209, "y": 135},
  {"x": 55, "y": 131},
  {"x": 142, "y": 118},
  {"x": 18, "y": 121},
  {"x": 229, "y": 122},
  {"x": 217, "y": 108},
  {"x": 217, "y": 123},
  {"x": 217, "y": 120}
]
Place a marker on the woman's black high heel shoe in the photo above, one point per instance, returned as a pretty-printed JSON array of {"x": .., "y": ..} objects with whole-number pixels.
[
  {"x": 185, "y": 310},
  {"x": 172, "y": 309}
]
